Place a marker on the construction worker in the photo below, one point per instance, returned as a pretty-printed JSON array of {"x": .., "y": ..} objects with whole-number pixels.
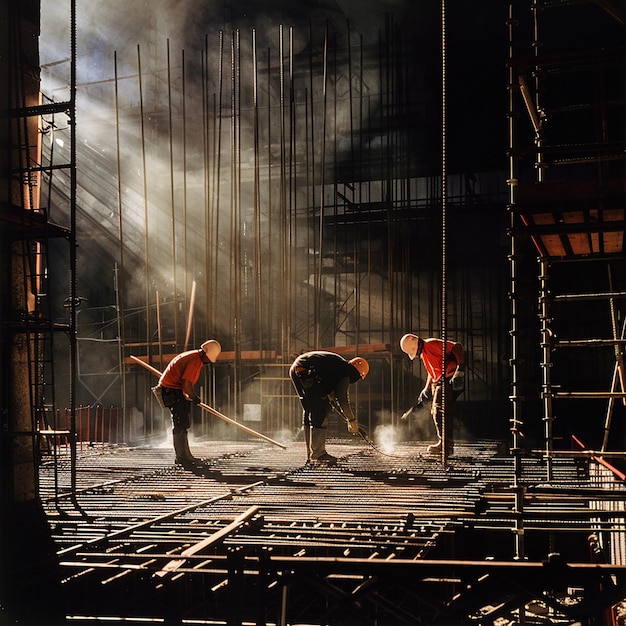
[
  {"x": 177, "y": 391},
  {"x": 321, "y": 380},
  {"x": 430, "y": 351}
]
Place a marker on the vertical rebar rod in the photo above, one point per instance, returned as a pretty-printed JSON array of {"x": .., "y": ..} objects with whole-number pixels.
[
  {"x": 356, "y": 231},
  {"x": 159, "y": 328},
  {"x": 239, "y": 222},
  {"x": 192, "y": 303},
  {"x": 340, "y": 282},
  {"x": 381, "y": 156},
  {"x": 320, "y": 237},
  {"x": 119, "y": 275},
  {"x": 234, "y": 266},
  {"x": 292, "y": 203},
  {"x": 310, "y": 260},
  {"x": 145, "y": 207},
  {"x": 390, "y": 173},
  {"x": 258, "y": 288},
  {"x": 184, "y": 199},
  {"x": 364, "y": 190},
  {"x": 206, "y": 182},
  {"x": 618, "y": 372},
  {"x": 120, "y": 334},
  {"x": 310, "y": 191},
  {"x": 282, "y": 199},
  {"x": 539, "y": 164},
  {"x": 172, "y": 197},
  {"x": 444, "y": 236},
  {"x": 271, "y": 208},
  {"x": 216, "y": 183},
  {"x": 73, "y": 352}
]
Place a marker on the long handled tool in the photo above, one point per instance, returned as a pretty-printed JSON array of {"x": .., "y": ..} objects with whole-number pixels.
[
  {"x": 336, "y": 405},
  {"x": 417, "y": 405},
  {"x": 213, "y": 411},
  {"x": 363, "y": 434}
]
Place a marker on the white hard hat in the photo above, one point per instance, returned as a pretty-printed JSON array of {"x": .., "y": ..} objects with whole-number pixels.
[
  {"x": 212, "y": 349},
  {"x": 361, "y": 366},
  {"x": 409, "y": 344}
]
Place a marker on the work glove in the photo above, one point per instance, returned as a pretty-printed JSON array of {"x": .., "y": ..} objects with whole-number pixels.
[
  {"x": 458, "y": 381},
  {"x": 353, "y": 427},
  {"x": 424, "y": 395}
]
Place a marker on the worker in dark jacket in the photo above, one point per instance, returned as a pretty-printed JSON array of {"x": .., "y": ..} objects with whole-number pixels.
[
  {"x": 321, "y": 380},
  {"x": 176, "y": 387}
]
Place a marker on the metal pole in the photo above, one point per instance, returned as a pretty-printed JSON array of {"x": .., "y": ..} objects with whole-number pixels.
[
  {"x": 145, "y": 209},
  {"x": 119, "y": 276},
  {"x": 546, "y": 364},
  {"x": 73, "y": 352},
  {"x": 185, "y": 229},
  {"x": 618, "y": 372},
  {"x": 292, "y": 204},
  {"x": 311, "y": 184},
  {"x": 515, "y": 397},
  {"x": 257, "y": 201},
  {"x": 271, "y": 209},
  {"x": 444, "y": 236},
  {"x": 159, "y": 329},
  {"x": 282, "y": 199},
  {"x": 539, "y": 165},
  {"x": 120, "y": 340},
  {"x": 235, "y": 222},
  {"x": 322, "y": 182},
  {"x": 192, "y": 301},
  {"x": 216, "y": 183},
  {"x": 172, "y": 197},
  {"x": 206, "y": 264}
]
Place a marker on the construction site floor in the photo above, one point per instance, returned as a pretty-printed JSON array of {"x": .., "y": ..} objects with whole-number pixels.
[{"x": 386, "y": 536}]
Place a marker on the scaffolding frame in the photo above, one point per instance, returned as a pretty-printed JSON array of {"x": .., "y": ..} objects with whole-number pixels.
[
  {"x": 31, "y": 228},
  {"x": 567, "y": 184}
]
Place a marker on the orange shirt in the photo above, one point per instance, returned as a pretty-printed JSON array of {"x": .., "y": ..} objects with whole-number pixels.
[
  {"x": 432, "y": 357},
  {"x": 184, "y": 366}
]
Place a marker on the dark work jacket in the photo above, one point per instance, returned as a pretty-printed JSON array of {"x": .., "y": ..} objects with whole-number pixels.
[
  {"x": 326, "y": 372},
  {"x": 329, "y": 368}
]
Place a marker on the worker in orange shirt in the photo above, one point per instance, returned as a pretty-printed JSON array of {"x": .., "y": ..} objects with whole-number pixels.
[
  {"x": 176, "y": 387},
  {"x": 430, "y": 352}
]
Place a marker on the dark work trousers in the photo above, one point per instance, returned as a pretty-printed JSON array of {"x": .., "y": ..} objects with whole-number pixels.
[
  {"x": 179, "y": 407},
  {"x": 437, "y": 410},
  {"x": 314, "y": 401}
]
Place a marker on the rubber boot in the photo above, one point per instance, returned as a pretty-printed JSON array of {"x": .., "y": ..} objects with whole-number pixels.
[
  {"x": 434, "y": 448},
  {"x": 450, "y": 444},
  {"x": 307, "y": 443},
  {"x": 318, "y": 448},
  {"x": 183, "y": 454}
]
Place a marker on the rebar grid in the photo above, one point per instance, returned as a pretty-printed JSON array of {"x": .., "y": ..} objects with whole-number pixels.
[{"x": 397, "y": 508}]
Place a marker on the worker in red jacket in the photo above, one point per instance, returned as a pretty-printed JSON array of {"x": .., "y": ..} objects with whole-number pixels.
[
  {"x": 430, "y": 351},
  {"x": 321, "y": 380},
  {"x": 178, "y": 394}
]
